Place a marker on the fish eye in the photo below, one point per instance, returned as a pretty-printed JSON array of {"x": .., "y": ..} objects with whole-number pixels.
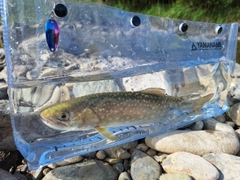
[{"x": 64, "y": 116}]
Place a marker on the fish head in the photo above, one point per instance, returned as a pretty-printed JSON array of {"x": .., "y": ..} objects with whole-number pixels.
[
  {"x": 68, "y": 116},
  {"x": 57, "y": 116}
]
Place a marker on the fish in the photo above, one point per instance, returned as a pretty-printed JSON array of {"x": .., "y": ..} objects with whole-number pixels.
[{"x": 111, "y": 109}]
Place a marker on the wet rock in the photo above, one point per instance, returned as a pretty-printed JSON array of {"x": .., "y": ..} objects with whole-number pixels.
[
  {"x": 90, "y": 170},
  {"x": 124, "y": 176},
  {"x": 193, "y": 165},
  {"x": 66, "y": 162},
  {"x": 123, "y": 154},
  {"x": 196, "y": 142},
  {"x": 228, "y": 165},
  {"x": 4, "y": 175},
  {"x": 175, "y": 177},
  {"x": 144, "y": 167},
  {"x": 101, "y": 155},
  {"x": 234, "y": 114}
]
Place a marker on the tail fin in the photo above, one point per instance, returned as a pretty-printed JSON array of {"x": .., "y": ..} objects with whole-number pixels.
[{"x": 200, "y": 102}]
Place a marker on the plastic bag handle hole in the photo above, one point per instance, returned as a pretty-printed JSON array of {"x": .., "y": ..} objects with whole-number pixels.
[{"x": 135, "y": 21}]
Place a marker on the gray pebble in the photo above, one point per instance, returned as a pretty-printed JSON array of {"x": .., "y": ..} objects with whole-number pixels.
[
  {"x": 20, "y": 176},
  {"x": 144, "y": 167},
  {"x": 231, "y": 123},
  {"x": 228, "y": 165},
  {"x": 22, "y": 168},
  {"x": 220, "y": 118},
  {"x": 118, "y": 167},
  {"x": 160, "y": 158},
  {"x": 197, "y": 126},
  {"x": 66, "y": 162},
  {"x": 124, "y": 176},
  {"x": 112, "y": 161},
  {"x": 101, "y": 155},
  {"x": 37, "y": 174},
  {"x": 175, "y": 177},
  {"x": 238, "y": 132},
  {"x": 90, "y": 170},
  {"x": 45, "y": 171},
  {"x": 151, "y": 152},
  {"x": 4, "y": 175},
  {"x": 142, "y": 147},
  {"x": 126, "y": 164},
  {"x": 123, "y": 154},
  {"x": 234, "y": 114}
]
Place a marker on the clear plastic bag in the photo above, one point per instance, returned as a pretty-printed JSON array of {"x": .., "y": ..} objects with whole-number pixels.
[{"x": 103, "y": 50}]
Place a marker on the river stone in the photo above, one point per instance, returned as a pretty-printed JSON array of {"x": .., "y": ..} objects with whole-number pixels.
[
  {"x": 228, "y": 165},
  {"x": 197, "y": 126},
  {"x": 193, "y": 165},
  {"x": 220, "y": 118},
  {"x": 112, "y": 152},
  {"x": 124, "y": 176},
  {"x": 101, "y": 155},
  {"x": 66, "y": 162},
  {"x": 142, "y": 147},
  {"x": 175, "y": 177},
  {"x": 90, "y": 170},
  {"x": 4, "y": 175},
  {"x": 123, "y": 154},
  {"x": 196, "y": 142},
  {"x": 144, "y": 167},
  {"x": 234, "y": 114},
  {"x": 212, "y": 124}
]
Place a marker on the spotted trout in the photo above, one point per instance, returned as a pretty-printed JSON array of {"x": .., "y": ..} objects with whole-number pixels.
[{"x": 102, "y": 110}]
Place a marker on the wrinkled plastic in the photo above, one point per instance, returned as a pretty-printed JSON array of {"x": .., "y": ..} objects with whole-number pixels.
[{"x": 102, "y": 49}]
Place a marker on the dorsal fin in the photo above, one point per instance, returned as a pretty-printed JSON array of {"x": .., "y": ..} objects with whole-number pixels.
[{"x": 156, "y": 91}]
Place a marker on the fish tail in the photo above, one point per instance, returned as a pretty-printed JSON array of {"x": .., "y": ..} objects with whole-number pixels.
[{"x": 200, "y": 102}]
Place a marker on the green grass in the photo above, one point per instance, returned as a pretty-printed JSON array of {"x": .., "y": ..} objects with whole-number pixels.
[{"x": 178, "y": 11}]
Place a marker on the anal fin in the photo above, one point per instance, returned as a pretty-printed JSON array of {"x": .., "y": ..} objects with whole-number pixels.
[{"x": 106, "y": 133}]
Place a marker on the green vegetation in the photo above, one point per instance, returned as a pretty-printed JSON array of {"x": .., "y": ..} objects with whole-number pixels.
[{"x": 218, "y": 11}]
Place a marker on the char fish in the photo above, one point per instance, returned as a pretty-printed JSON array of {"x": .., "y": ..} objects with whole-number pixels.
[{"x": 102, "y": 110}]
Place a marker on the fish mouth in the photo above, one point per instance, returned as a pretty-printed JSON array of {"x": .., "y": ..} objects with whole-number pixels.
[{"x": 54, "y": 124}]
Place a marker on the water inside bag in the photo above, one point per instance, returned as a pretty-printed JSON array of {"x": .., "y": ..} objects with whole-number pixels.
[{"x": 102, "y": 49}]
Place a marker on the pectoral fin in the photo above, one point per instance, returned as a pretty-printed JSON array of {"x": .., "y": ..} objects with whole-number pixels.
[
  {"x": 156, "y": 91},
  {"x": 202, "y": 101},
  {"x": 105, "y": 133}
]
